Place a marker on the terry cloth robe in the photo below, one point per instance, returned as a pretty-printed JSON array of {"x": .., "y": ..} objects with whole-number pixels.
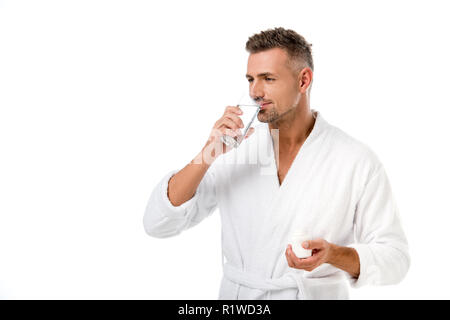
[{"x": 335, "y": 189}]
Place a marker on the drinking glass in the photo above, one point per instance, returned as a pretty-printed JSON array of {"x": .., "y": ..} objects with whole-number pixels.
[{"x": 250, "y": 110}]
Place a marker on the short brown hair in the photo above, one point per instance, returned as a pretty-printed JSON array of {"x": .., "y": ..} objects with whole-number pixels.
[{"x": 295, "y": 45}]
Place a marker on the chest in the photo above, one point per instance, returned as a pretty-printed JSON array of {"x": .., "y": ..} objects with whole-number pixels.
[{"x": 284, "y": 163}]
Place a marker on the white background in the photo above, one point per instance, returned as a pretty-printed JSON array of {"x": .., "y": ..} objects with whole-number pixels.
[{"x": 100, "y": 99}]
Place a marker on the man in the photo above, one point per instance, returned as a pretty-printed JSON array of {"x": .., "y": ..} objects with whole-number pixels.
[{"x": 322, "y": 181}]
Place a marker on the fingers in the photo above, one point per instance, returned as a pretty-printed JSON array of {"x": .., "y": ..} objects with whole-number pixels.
[
  {"x": 307, "y": 264},
  {"x": 230, "y": 120},
  {"x": 230, "y": 124},
  {"x": 229, "y": 132},
  {"x": 233, "y": 109},
  {"x": 227, "y": 123},
  {"x": 289, "y": 257},
  {"x": 233, "y": 112},
  {"x": 238, "y": 121},
  {"x": 217, "y": 133}
]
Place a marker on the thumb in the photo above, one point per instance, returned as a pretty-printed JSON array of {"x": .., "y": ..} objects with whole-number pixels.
[
  {"x": 249, "y": 132},
  {"x": 313, "y": 244}
]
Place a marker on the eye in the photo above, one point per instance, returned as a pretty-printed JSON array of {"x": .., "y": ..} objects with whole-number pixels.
[
  {"x": 270, "y": 79},
  {"x": 250, "y": 80}
]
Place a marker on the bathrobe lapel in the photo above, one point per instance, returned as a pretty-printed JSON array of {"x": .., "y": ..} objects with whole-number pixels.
[{"x": 279, "y": 220}]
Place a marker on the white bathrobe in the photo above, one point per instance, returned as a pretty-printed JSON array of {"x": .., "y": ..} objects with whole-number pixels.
[{"x": 335, "y": 189}]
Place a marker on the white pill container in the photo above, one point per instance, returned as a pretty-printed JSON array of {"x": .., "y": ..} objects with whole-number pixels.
[{"x": 297, "y": 238}]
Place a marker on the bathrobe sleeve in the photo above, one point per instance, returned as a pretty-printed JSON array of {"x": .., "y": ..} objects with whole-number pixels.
[
  {"x": 379, "y": 238},
  {"x": 162, "y": 219}
]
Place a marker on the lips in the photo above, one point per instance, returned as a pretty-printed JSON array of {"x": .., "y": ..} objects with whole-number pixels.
[{"x": 263, "y": 105}]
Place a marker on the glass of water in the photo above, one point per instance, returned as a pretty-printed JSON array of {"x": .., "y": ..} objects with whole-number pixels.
[{"x": 250, "y": 110}]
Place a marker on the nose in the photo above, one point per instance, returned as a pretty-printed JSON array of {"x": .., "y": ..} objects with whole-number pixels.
[{"x": 256, "y": 90}]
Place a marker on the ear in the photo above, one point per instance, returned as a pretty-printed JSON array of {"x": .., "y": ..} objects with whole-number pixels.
[{"x": 305, "y": 77}]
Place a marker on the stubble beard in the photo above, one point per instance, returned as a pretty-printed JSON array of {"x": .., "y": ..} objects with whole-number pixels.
[
  {"x": 267, "y": 116},
  {"x": 272, "y": 115}
]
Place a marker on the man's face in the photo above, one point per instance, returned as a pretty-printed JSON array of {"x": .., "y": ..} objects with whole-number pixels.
[{"x": 272, "y": 80}]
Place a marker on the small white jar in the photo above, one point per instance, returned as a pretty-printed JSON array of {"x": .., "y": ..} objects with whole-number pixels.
[{"x": 297, "y": 239}]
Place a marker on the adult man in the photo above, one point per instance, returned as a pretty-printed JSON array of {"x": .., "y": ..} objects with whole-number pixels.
[{"x": 323, "y": 182}]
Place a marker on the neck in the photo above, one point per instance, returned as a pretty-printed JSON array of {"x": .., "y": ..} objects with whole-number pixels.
[{"x": 294, "y": 127}]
